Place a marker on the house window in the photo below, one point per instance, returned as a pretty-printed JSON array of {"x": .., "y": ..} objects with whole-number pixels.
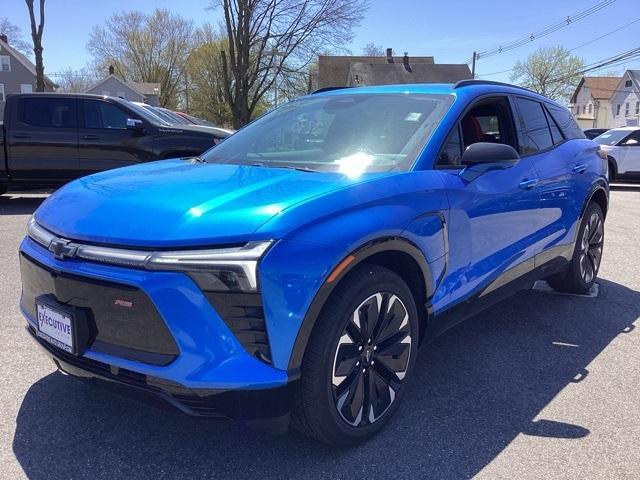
[
  {"x": 5, "y": 63},
  {"x": 584, "y": 109},
  {"x": 1, "y": 92},
  {"x": 120, "y": 95},
  {"x": 590, "y": 108},
  {"x": 26, "y": 88},
  {"x": 627, "y": 83},
  {"x": 617, "y": 110},
  {"x": 626, "y": 109},
  {"x": 637, "y": 108}
]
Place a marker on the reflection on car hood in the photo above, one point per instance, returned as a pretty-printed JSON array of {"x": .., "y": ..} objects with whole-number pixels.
[{"x": 179, "y": 203}]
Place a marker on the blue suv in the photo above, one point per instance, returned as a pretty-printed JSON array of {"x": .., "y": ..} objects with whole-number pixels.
[{"x": 293, "y": 271}]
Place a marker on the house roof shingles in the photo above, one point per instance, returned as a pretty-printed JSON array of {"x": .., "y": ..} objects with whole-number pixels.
[
  {"x": 396, "y": 73},
  {"x": 333, "y": 71},
  {"x": 602, "y": 88}
]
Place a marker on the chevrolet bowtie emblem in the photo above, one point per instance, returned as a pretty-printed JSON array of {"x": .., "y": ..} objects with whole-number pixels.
[{"x": 62, "y": 249}]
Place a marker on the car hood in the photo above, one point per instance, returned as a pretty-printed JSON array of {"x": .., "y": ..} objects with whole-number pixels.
[{"x": 179, "y": 203}]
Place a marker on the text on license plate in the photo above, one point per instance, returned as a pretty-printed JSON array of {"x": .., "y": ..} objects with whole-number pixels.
[{"x": 55, "y": 327}]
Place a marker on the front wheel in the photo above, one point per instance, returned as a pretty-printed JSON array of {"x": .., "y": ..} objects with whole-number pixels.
[
  {"x": 585, "y": 263},
  {"x": 360, "y": 355}
]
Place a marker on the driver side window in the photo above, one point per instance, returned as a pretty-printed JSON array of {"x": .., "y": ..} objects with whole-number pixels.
[{"x": 488, "y": 121}]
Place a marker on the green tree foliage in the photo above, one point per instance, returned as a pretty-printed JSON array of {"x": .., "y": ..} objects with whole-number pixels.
[{"x": 550, "y": 71}]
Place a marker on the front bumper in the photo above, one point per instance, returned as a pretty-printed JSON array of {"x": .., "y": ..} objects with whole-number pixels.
[
  {"x": 211, "y": 374},
  {"x": 267, "y": 407}
]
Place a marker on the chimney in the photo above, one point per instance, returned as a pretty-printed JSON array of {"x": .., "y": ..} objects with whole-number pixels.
[
  {"x": 4, "y": 38},
  {"x": 111, "y": 70},
  {"x": 405, "y": 62},
  {"x": 389, "y": 55}
]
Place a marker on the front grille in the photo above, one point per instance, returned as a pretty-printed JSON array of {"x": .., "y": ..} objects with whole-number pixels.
[
  {"x": 126, "y": 321},
  {"x": 243, "y": 314}
]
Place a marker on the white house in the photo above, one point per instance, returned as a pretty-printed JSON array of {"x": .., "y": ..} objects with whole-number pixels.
[
  {"x": 625, "y": 103},
  {"x": 591, "y": 102}
]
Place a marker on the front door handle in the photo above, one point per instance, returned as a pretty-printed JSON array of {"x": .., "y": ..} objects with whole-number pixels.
[
  {"x": 580, "y": 168},
  {"x": 528, "y": 184},
  {"x": 90, "y": 137}
]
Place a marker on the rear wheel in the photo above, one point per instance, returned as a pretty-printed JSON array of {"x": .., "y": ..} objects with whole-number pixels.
[
  {"x": 360, "y": 355},
  {"x": 585, "y": 263}
]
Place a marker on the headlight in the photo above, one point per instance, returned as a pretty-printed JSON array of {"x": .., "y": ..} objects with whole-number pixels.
[{"x": 220, "y": 269}]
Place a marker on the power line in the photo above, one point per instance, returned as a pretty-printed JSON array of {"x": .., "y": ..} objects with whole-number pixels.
[
  {"x": 574, "y": 48},
  {"x": 548, "y": 30}
]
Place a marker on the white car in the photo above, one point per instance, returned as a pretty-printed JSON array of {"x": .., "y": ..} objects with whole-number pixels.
[{"x": 622, "y": 146}]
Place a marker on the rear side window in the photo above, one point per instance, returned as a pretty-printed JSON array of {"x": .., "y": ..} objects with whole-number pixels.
[
  {"x": 47, "y": 112},
  {"x": 534, "y": 132},
  {"x": 99, "y": 114},
  {"x": 565, "y": 121},
  {"x": 556, "y": 134}
]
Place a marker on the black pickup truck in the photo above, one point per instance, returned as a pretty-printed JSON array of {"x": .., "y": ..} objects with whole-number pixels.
[{"x": 48, "y": 139}]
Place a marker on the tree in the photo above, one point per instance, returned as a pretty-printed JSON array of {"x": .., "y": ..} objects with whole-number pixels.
[
  {"x": 373, "y": 50},
  {"x": 550, "y": 71},
  {"x": 36, "y": 35},
  {"x": 15, "y": 37},
  {"x": 76, "y": 81},
  {"x": 203, "y": 92},
  {"x": 269, "y": 39},
  {"x": 145, "y": 48}
]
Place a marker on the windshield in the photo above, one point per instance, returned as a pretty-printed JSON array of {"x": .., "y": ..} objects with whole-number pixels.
[
  {"x": 612, "y": 137},
  {"x": 352, "y": 134},
  {"x": 147, "y": 115},
  {"x": 175, "y": 118}
]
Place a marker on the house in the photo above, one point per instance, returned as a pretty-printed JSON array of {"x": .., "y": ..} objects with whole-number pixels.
[
  {"x": 625, "y": 103},
  {"x": 341, "y": 71},
  {"x": 591, "y": 103},
  {"x": 134, "y": 91},
  {"x": 17, "y": 73}
]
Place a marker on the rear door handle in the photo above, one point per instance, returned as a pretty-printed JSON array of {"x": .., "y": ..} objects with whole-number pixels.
[
  {"x": 528, "y": 184},
  {"x": 90, "y": 137},
  {"x": 21, "y": 135},
  {"x": 580, "y": 168}
]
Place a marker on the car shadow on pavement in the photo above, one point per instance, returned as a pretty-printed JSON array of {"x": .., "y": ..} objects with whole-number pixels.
[
  {"x": 14, "y": 204},
  {"x": 474, "y": 390}
]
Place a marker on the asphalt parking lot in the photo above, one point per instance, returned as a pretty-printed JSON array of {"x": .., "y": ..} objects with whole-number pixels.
[{"x": 538, "y": 386}]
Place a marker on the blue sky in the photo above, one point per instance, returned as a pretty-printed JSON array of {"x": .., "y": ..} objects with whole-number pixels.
[{"x": 449, "y": 30}]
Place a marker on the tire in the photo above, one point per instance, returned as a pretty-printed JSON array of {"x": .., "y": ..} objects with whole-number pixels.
[
  {"x": 587, "y": 255},
  {"x": 343, "y": 374}
]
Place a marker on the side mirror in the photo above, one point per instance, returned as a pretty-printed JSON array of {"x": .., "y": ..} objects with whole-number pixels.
[
  {"x": 482, "y": 157},
  {"x": 632, "y": 142},
  {"x": 134, "y": 124},
  {"x": 485, "y": 152}
]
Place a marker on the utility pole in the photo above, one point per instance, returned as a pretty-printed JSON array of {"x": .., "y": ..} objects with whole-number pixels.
[{"x": 473, "y": 65}]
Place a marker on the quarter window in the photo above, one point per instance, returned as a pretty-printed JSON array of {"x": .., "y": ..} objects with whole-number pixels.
[
  {"x": 451, "y": 153},
  {"x": 534, "y": 132},
  {"x": 47, "y": 112},
  {"x": 99, "y": 114},
  {"x": 568, "y": 125},
  {"x": 5, "y": 63}
]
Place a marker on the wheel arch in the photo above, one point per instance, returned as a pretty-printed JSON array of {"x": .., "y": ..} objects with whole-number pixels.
[
  {"x": 600, "y": 196},
  {"x": 613, "y": 162},
  {"x": 396, "y": 253}
]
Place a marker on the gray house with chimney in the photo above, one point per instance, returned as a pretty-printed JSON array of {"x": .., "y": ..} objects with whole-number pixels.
[
  {"x": 353, "y": 71},
  {"x": 113, "y": 86},
  {"x": 17, "y": 73}
]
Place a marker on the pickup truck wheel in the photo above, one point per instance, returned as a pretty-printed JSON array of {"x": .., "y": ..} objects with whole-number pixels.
[
  {"x": 585, "y": 263},
  {"x": 359, "y": 357}
]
